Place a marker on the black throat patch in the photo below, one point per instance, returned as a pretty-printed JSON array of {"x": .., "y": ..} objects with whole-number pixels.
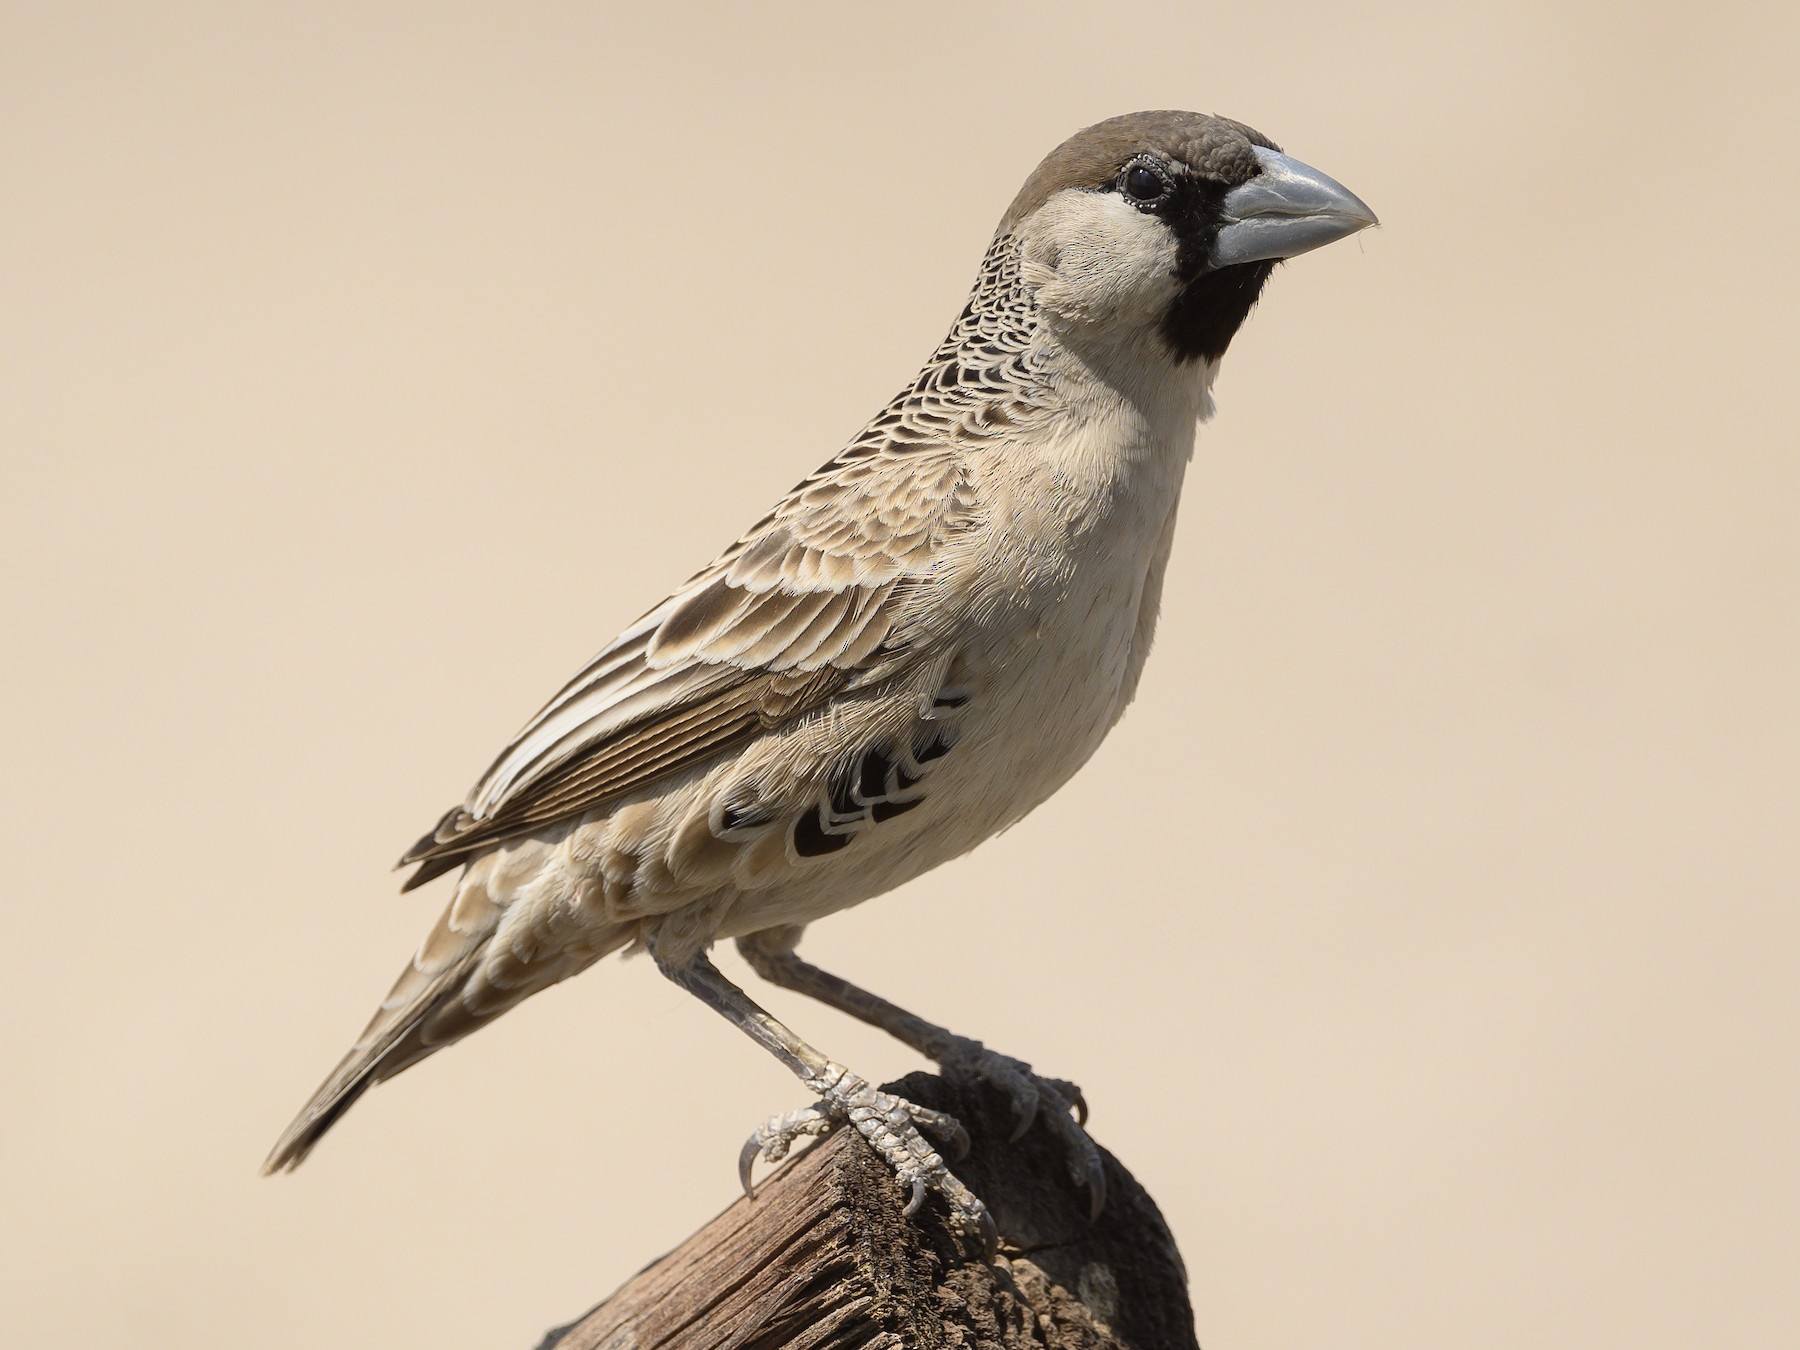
[{"x": 1211, "y": 308}]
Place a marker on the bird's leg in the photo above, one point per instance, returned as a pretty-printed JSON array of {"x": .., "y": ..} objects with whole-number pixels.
[
  {"x": 771, "y": 955},
  {"x": 889, "y": 1123}
]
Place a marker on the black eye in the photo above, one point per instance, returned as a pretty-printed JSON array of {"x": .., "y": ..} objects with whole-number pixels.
[{"x": 1141, "y": 183}]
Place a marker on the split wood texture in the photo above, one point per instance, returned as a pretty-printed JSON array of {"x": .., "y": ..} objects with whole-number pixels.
[{"x": 823, "y": 1260}]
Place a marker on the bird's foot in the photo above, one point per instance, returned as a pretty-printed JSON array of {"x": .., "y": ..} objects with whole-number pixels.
[
  {"x": 1054, "y": 1102},
  {"x": 893, "y": 1128}
]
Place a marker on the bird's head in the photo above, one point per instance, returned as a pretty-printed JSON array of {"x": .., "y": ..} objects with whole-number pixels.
[{"x": 1162, "y": 227}]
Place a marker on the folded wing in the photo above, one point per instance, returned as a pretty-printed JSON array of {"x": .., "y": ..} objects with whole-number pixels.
[{"x": 811, "y": 602}]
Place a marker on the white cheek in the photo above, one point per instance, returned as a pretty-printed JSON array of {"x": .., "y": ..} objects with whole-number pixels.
[{"x": 1093, "y": 258}]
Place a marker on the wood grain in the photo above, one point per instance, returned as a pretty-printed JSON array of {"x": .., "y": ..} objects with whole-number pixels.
[{"x": 823, "y": 1260}]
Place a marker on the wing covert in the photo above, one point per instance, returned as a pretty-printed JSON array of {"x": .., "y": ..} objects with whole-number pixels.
[{"x": 805, "y": 605}]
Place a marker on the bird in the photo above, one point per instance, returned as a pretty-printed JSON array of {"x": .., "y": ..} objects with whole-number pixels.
[{"x": 918, "y": 645}]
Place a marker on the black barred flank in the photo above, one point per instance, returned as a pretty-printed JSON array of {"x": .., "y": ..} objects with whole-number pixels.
[
  {"x": 811, "y": 840},
  {"x": 888, "y": 810},
  {"x": 872, "y": 781}
]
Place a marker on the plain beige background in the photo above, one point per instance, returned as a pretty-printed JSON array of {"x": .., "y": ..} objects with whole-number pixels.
[{"x": 1426, "y": 936}]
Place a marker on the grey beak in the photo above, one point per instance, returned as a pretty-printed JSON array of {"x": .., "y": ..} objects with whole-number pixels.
[{"x": 1288, "y": 209}]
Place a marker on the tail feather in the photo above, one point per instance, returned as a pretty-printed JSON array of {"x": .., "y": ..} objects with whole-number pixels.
[
  {"x": 394, "y": 1040},
  {"x": 460, "y": 979}
]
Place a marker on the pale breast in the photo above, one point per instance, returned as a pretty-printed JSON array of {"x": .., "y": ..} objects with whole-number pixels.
[{"x": 1051, "y": 684}]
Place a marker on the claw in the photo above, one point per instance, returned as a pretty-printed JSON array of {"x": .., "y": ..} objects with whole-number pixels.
[
  {"x": 990, "y": 1235},
  {"x": 917, "y": 1198},
  {"x": 1025, "y": 1110},
  {"x": 1086, "y": 1169},
  {"x": 747, "y": 1160},
  {"x": 959, "y": 1139},
  {"x": 774, "y": 1140},
  {"x": 1072, "y": 1098},
  {"x": 944, "y": 1125}
]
